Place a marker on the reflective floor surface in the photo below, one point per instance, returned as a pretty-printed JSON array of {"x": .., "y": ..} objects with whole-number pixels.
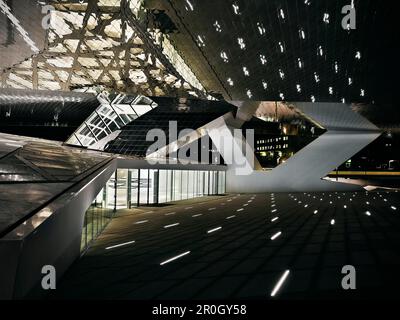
[{"x": 240, "y": 246}]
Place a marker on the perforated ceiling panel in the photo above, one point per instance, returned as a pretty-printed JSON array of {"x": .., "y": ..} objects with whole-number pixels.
[{"x": 292, "y": 50}]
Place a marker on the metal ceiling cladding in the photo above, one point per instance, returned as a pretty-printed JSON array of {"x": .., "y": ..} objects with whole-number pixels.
[{"x": 302, "y": 39}]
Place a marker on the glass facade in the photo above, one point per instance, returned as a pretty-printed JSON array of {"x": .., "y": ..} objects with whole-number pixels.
[
  {"x": 96, "y": 218},
  {"x": 129, "y": 188}
]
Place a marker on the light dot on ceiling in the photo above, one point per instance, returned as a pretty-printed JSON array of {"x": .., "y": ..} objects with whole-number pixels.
[
  {"x": 265, "y": 85},
  {"x": 281, "y": 14},
  {"x": 263, "y": 59},
  {"x": 316, "y": 77},
  {"x": 320, "y": 51},
  {"x": 261, "y": 28},
  {"x": 281, "y": 74},
  {"x": 326, "y": 18},
  {"x": 241, "y": 43},
  {"x": 300, "y": 63},
  {"x": 281, "y": 48},
  {"x": 224, "y": 56},
  {"x": 235, "y": 8},
  {"x": 200, "y": 41},
  {"x": 189, "y": 6},
  {"x": 302, "y": 34},
  {"x": 217, "y": 26}
]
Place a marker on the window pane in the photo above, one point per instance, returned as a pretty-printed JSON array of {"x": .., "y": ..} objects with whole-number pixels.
[
  {"x": 162, "y": 186},
  {"x": 134, "y": 186},
  {"x": 144, "y": 184},
  {"x": 177, "y": 185},
  {"x": 191, "y": 182},
  {"x": 122, "y": 188}
]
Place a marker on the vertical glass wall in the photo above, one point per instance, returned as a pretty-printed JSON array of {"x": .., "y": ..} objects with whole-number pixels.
[
  {"x": 96, "y": 218},
  {"x": 129, "y": 188}
]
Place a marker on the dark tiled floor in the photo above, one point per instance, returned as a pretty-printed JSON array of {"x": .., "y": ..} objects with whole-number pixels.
[{"x": 240, "y": 260}]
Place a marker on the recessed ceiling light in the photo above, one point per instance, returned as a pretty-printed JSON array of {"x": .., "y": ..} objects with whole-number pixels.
[
  {"x": 261, "y": 28},
  {"x": 320, "y": 51},
  {"x": 302, "y": 34},
  {"x": 300, "y": 63},
  {"x": 189, "y": 6},
  {"x": 264, "y": 84},
  {"x": 224, "y": 56},
  {"x": 241, "y": 43},
  {"x": 281, "y": 14},
  {"x": 281, "y": 74},
  {"x": 236, "y": 8},
  {"x": 326, "y": 18},
  {"x": 217, "y": 26},
  {"x": 263, "y": 59}
]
